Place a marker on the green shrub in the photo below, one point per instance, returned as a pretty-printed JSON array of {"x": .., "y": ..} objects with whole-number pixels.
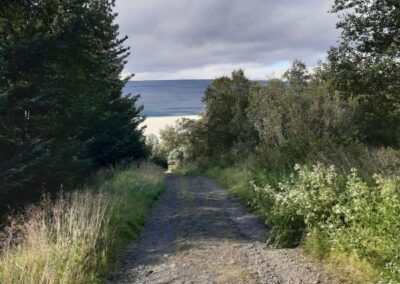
[
  {"x": 157, "y": 153},
  {"x": 347, "y": 213}
]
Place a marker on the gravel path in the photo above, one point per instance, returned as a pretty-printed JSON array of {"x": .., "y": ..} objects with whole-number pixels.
[{"x": 199, "y": 233}]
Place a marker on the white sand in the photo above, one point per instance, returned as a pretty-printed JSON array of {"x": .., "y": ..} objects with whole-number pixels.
[{"x": 156, "y": 123}]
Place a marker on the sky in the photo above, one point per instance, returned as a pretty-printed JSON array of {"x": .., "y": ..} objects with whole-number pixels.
[{"x": 204, "y": 39}]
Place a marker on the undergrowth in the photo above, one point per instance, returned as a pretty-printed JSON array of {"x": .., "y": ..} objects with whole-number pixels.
[{"x": 75, "y": 238}]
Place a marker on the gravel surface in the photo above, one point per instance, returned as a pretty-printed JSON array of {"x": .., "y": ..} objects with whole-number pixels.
[{"x": 199, "y": 233}]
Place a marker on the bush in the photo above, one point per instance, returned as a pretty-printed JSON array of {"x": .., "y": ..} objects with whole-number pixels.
[
  {"x": 298, "y": 120},
  {"x": 158, "y": 155},
  {"x": 75, "y": 238},
  {"x": 350, "y": 214}
]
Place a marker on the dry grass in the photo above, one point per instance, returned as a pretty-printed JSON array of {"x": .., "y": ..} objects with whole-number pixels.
[{"x": 75, "y": 238}]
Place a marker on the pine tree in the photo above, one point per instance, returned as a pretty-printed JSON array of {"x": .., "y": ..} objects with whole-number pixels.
[{"x": 62, "y": 111}]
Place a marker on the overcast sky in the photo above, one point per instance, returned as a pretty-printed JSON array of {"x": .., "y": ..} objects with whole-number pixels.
[{"x": 202, "y": 39}]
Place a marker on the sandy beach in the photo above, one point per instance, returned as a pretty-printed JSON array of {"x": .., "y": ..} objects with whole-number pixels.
[{"x": 155, "y": 123}]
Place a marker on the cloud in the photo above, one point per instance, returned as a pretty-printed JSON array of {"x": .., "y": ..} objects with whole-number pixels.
[{"x": 207, "y": 38}]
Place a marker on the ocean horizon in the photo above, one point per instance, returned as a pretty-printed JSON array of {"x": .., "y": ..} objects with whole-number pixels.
[{"x": 170, "y": 97}]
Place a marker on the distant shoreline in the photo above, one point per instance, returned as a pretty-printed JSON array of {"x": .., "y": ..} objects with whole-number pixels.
[{"x": 155, "y": 123}]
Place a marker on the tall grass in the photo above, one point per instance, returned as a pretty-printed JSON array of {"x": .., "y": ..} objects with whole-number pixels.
[{"x": 75, "y": 238}]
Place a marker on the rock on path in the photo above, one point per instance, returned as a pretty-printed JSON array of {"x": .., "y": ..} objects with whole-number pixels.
[{"x": 199, "y": 233}]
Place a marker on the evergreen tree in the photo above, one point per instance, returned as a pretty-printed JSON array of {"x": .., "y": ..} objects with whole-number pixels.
[{"x": 62, "y": 111}]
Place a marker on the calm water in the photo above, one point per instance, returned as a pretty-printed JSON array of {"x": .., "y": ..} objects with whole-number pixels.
[{"x": 167, "y": 98}]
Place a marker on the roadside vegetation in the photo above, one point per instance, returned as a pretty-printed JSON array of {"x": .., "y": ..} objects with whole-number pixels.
[
  {"x": 76, "y": 237},
  {"x": 63, "y": 119},
  {"x": 317, "y": 152}
]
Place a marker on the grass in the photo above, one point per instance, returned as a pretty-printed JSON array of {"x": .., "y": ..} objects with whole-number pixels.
[
  {"x": 235, "y": 179},
  {"x": 346, "y": 266},
  {"x": 76, "y": 238}
]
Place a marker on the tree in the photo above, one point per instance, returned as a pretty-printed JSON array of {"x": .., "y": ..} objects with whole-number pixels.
[
  {"x": 179, "y": 142},
  {"x": 297, "y": 76},
  {"x": 225, "y": 118},
  {"x": 62, "y": 111},
  {"x": 366, "y": 66}
]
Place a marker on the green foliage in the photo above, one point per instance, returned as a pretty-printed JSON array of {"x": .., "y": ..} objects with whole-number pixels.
[
  {"x": 61, "y": 110},
  {"x": 158, "y": 155},
  {"x": 181, "y": 142},
  {"x": 297, "y": 76},
  {"x": 76, "y": 238},
  {"x": 365, "y": 66},
  {"x": 298, "y": 119},
  {"x": 273, "y": 126},
  {"x": 351, "y": 215},
  {"x": 301, "y": 119},
  {"x": 224, "y": 121}
]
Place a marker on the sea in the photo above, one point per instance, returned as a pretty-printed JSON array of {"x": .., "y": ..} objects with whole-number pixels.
[{"x": 169, "y": 97}]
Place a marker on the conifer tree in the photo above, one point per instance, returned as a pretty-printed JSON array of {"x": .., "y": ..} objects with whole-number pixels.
[{"x": 62, "y": 111}]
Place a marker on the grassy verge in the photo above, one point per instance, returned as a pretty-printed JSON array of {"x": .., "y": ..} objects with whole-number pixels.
[
  {"x": 348, "y": 223},
  {"x": 235, "y": 179},
  {"x": 76, "y": 238}
]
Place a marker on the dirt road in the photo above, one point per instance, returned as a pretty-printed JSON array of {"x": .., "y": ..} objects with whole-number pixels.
[{"x": 199, "y": 233}]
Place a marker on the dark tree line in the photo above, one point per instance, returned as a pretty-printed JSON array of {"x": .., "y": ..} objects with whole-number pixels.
[{"x": 62, "y": 113}]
